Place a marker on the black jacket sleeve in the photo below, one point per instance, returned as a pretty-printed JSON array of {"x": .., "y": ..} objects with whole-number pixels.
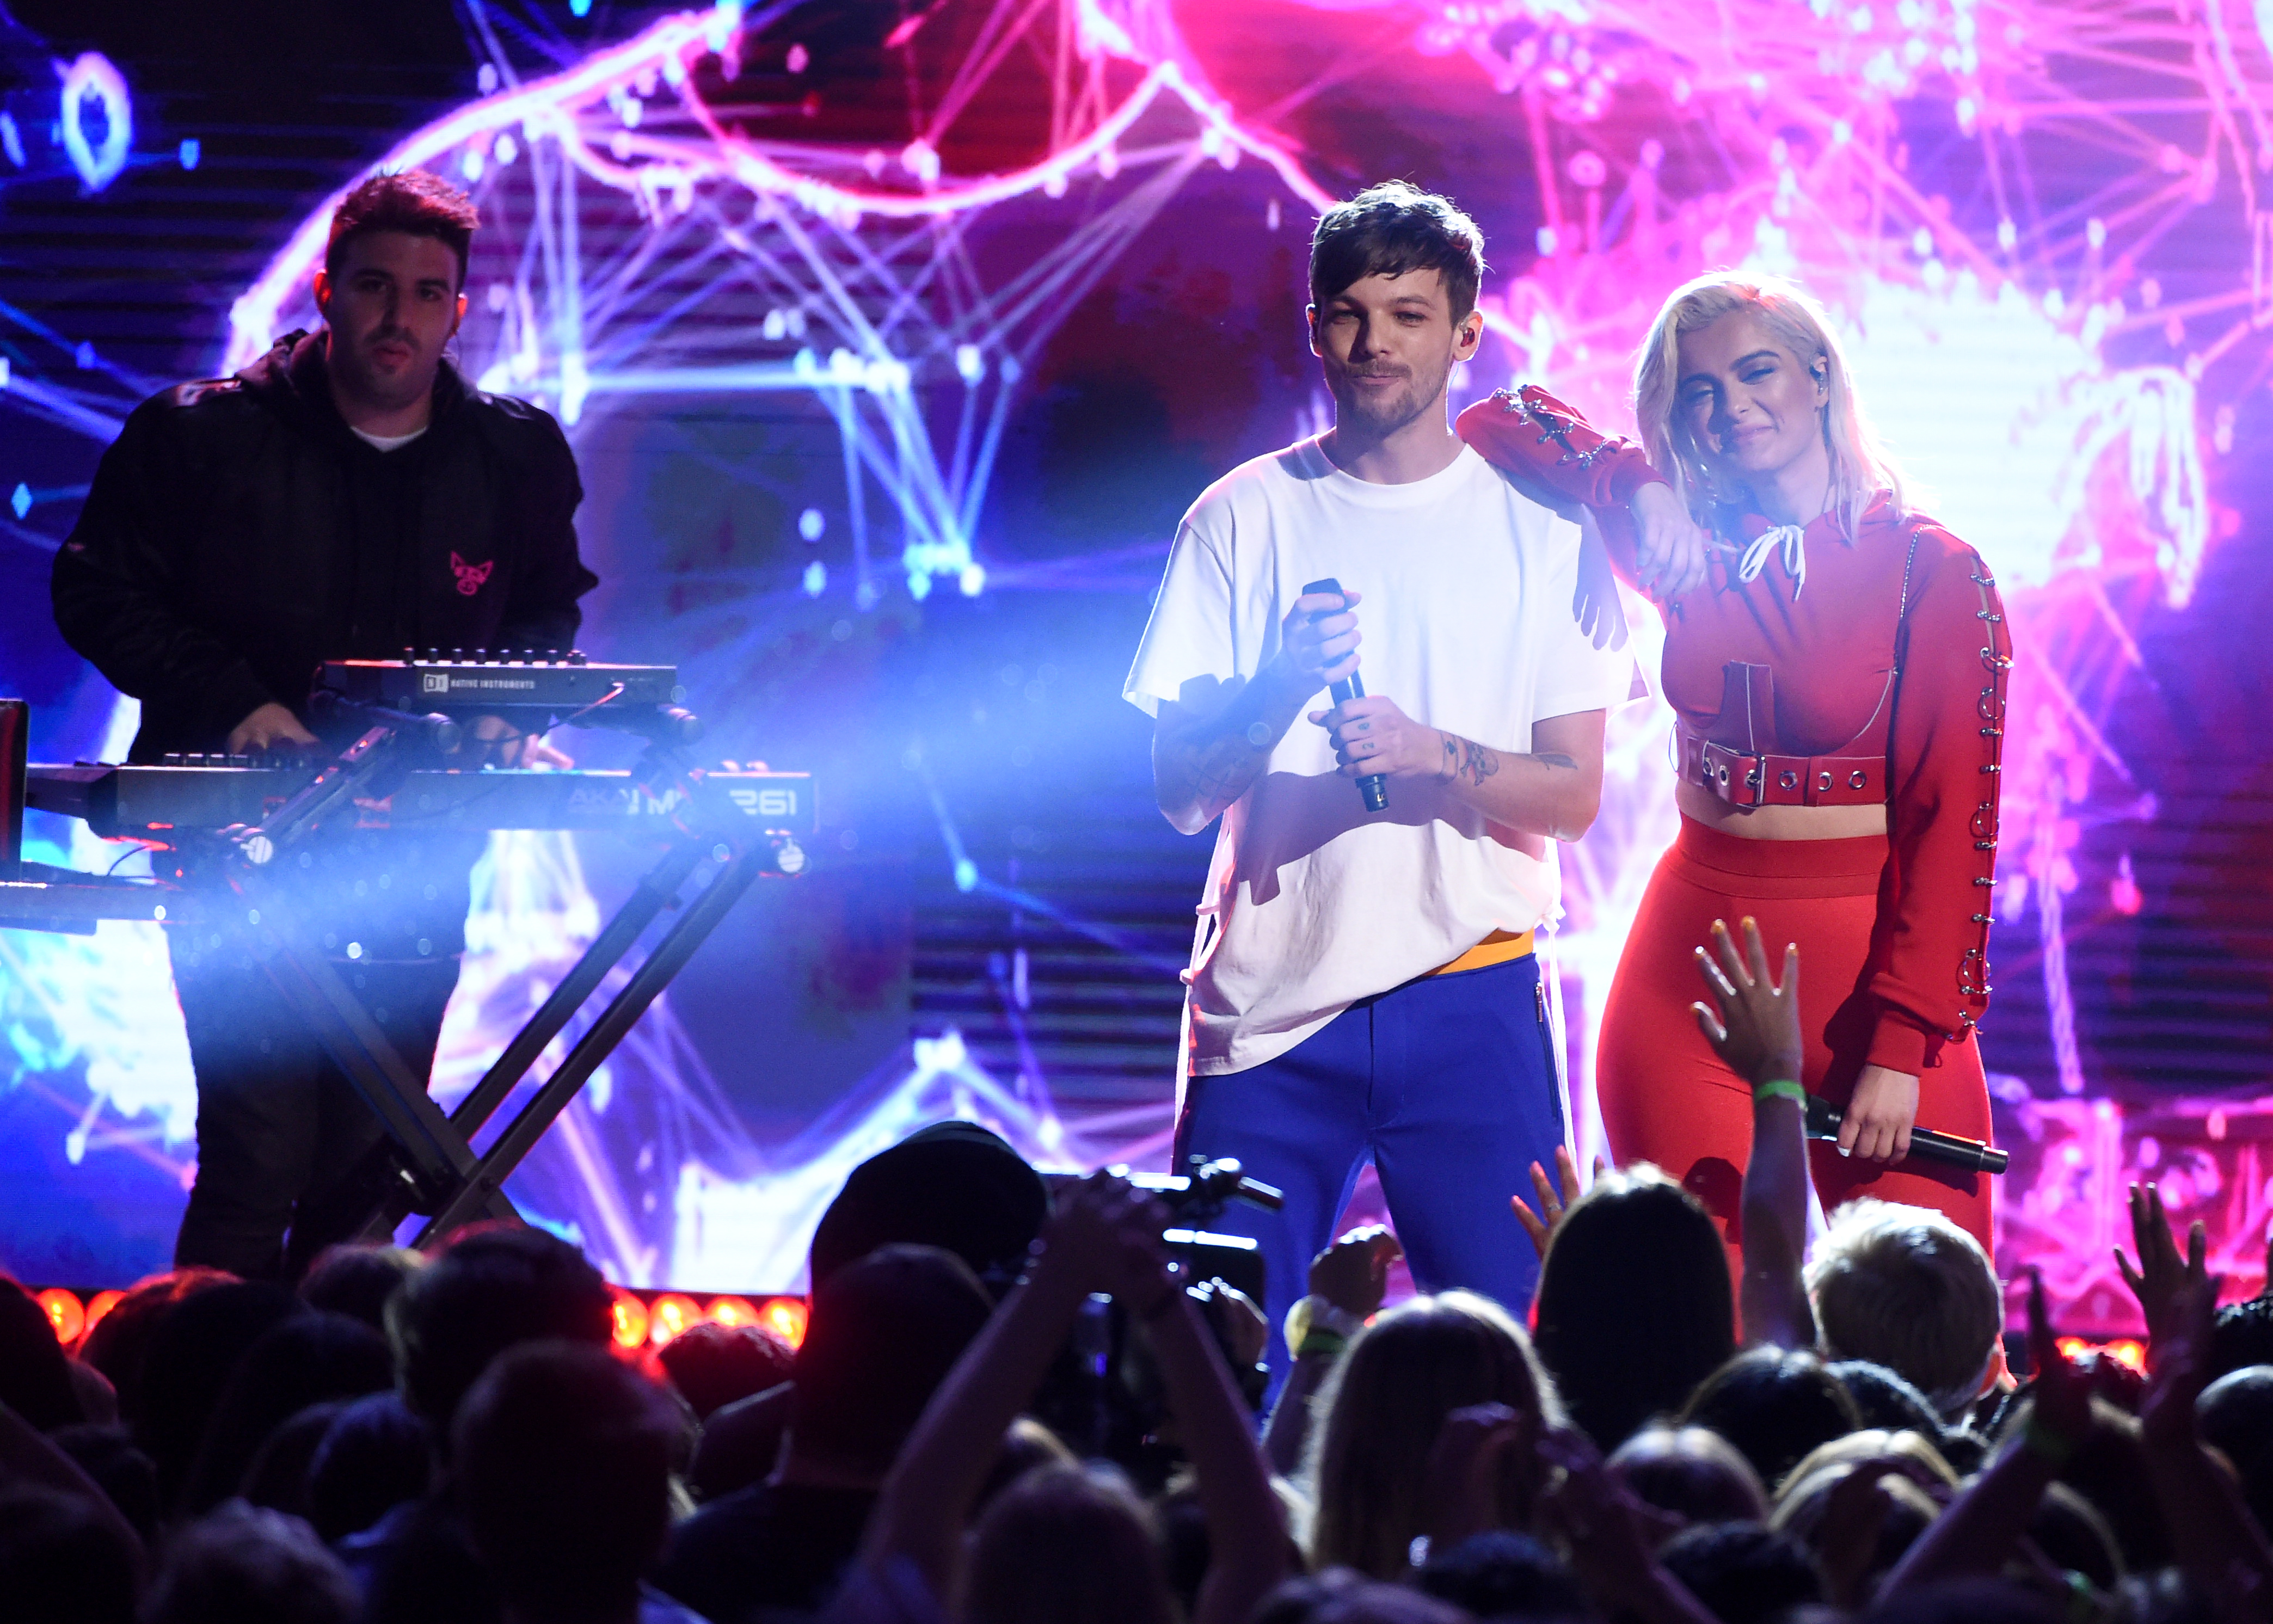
[
  {"x": 541, "y": 612},
  {"x": 119, "y": 580}
]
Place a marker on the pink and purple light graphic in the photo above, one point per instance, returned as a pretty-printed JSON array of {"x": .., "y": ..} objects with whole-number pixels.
[{"x": 1992, "y": 198}]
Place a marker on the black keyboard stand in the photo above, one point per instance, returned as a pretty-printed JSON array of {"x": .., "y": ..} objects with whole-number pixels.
[{"x": 427, "y": 1163}]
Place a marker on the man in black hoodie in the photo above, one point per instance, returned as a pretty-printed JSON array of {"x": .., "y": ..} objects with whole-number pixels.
[{"x": 346, "y": 496}]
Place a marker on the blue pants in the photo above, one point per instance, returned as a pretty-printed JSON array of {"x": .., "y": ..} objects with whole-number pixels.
[{"x": 1447, "y": 1083}]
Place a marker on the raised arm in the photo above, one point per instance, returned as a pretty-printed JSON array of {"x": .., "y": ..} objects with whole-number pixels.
[
  {"x": 1247, "y": 1538},
  {"x": 2219, "y": 1544},
  {"x": 1552, "y": 451},
  {"x": 1983, "y": 1525},
  {"x": 1105, "y": 1236},
  {"x": 1757, "y": 1034}
]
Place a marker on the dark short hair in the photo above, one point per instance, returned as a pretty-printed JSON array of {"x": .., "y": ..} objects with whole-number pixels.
[
  {"x": 885, "y": 1332},
  {"x": 1743, "y": 1574},
  {"x": 496, "y": 1286},
  {"x": 563, "y": 1473},
  {"x": 1389, "y": 229},
  {"x": 414, "y": 202}
]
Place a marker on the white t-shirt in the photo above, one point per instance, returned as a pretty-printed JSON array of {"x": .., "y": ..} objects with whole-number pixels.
[
  {"x": 1468, "y": 624},
  {"x": 385, "y": 442}
]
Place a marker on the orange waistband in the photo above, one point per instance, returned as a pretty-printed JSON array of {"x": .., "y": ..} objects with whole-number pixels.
[{"x": 1498, "y": 948}]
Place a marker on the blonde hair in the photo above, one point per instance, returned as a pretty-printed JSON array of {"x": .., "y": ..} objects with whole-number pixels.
[
  {"x": 1860, "y": 466},
  {"x": 1905, "y": 1288},
  {"x": 1385, "y": 1402}
]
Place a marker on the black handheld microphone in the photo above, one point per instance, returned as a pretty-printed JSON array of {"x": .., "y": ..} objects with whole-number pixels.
[
  {"x": 1951, "y": 1150},
  {"x": 1373, "y": 789}
]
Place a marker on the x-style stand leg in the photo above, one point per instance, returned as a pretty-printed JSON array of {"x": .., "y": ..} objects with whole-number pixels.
[{"x": 486, "y": 1181}]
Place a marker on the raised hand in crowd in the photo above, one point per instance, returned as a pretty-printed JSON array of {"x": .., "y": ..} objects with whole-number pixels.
[
  {"x": 2161, "y": 1277},
  {"x": 1552, "y": 1203},
  {"x": 1756, "y": 1032},
  {"x": 1104, "y": 1236},
  {"x": 1612, "y": 1537},
  {"x": 1348, "y": 1281},
  {"x": 2220, "y": 1547}
]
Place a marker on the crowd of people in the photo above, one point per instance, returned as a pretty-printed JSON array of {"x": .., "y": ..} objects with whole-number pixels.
[{"x": 1012, "y": 1408}]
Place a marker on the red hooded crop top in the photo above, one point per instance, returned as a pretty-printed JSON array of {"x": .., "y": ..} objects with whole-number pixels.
[{"x": 1889, "y": 643}]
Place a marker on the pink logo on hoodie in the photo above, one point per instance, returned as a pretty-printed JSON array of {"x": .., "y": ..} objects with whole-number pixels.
[{"x": 470, "y": 576}]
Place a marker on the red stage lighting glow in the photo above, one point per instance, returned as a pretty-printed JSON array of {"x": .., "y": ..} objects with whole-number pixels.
[
  {"x": 732, "y": 1311},
  {"x": 64, "y": 1312},
  {"x": 101, "y": 1303},
  {"x": 2123, "y": 1349},
  {"x": 631, "y": 1321},
  {"x": 669, "y": 1314},
  {"x": 785, "y": 1317}
]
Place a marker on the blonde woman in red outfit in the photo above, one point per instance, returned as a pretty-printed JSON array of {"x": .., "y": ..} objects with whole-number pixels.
[{"x": 1836, "y": 662}]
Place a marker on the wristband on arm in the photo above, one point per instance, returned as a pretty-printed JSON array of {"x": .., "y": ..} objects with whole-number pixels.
[{"x": 1780, "y": 1088}]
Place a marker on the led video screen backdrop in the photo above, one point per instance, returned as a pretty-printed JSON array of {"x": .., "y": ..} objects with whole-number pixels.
[{"x": 892, "y": 339}]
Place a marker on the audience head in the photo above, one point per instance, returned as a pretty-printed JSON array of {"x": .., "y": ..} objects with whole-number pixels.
[
  {"x": 108, "y": 1456},
  {"x": 1742, "y": 1573},
  {"x": 954, "y": 1185},
  {"x": 1385, "y": 1405},
  {"x": 34, "y": 1371},
  {"x": 1886, "y": 1400},
  {"x": 561, "y": 1456},
  {"x": 713, "y": 1364},
  {"x": 299, "y": 1361},
  {"x": 60, "y": 1560},
  {"x": 356, "y": 1279},
  {"x": 374, "y": 1455},
  {"x": 2235, "y": 1413},
  {"x": 2072, "y": 1535},
  {"x": 1904, "y": 1287},
  {"x": 1803, "y": 1510},
  {"x": 494, "y": 1288},
  {"x": 1692, "y": 1472},
  {"x": 1340, "y": 1596},
  {"x": 1971, "y": 1601},
  {"x": 1071, "y": 1545},
  {"x": 1500, "y": 1574},
  {"x": 192, "y": 1353},
  {"x": 244, "y": 1565},
  {"x": 118, "y": 1343},
  {"x": 1622, "y": 1357},
  {"x": 1911, "y": 1453},
  {"x": 1774, "y": 1405},
  {"x": 277, "y": 1476},
  {"x": 884, "y": 1332},
  {"x": 2241, "y": 1336}
]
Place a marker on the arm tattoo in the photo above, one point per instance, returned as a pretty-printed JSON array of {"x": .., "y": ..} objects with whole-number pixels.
[{"x": 1465, "y": 758}]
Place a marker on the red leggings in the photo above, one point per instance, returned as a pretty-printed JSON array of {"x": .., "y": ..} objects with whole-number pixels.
[{"x": 1668, "y": 1098}]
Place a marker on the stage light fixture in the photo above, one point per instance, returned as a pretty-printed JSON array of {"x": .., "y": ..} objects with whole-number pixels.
[
  {"x": 669, "y": 1314},
  {"x": 631, "y": 1321}
]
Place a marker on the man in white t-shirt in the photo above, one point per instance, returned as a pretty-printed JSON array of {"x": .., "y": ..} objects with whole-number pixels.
[{"x": 1362, "y": 983}]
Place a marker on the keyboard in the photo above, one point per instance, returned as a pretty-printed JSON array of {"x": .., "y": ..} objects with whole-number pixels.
[{"x": 208, "y": 793}]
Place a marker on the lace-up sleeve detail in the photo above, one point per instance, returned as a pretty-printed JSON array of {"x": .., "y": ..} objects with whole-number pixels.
[
  {"x": 1930, "y": 954},
  {"x": 1530, "y": 434}
]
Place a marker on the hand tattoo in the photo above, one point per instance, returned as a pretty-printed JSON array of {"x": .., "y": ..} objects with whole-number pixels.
[{"x": 1463, "y": 758}]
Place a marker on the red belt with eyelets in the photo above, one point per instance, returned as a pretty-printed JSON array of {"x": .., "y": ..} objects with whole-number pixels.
[{"x": 1744, "y": 779}]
